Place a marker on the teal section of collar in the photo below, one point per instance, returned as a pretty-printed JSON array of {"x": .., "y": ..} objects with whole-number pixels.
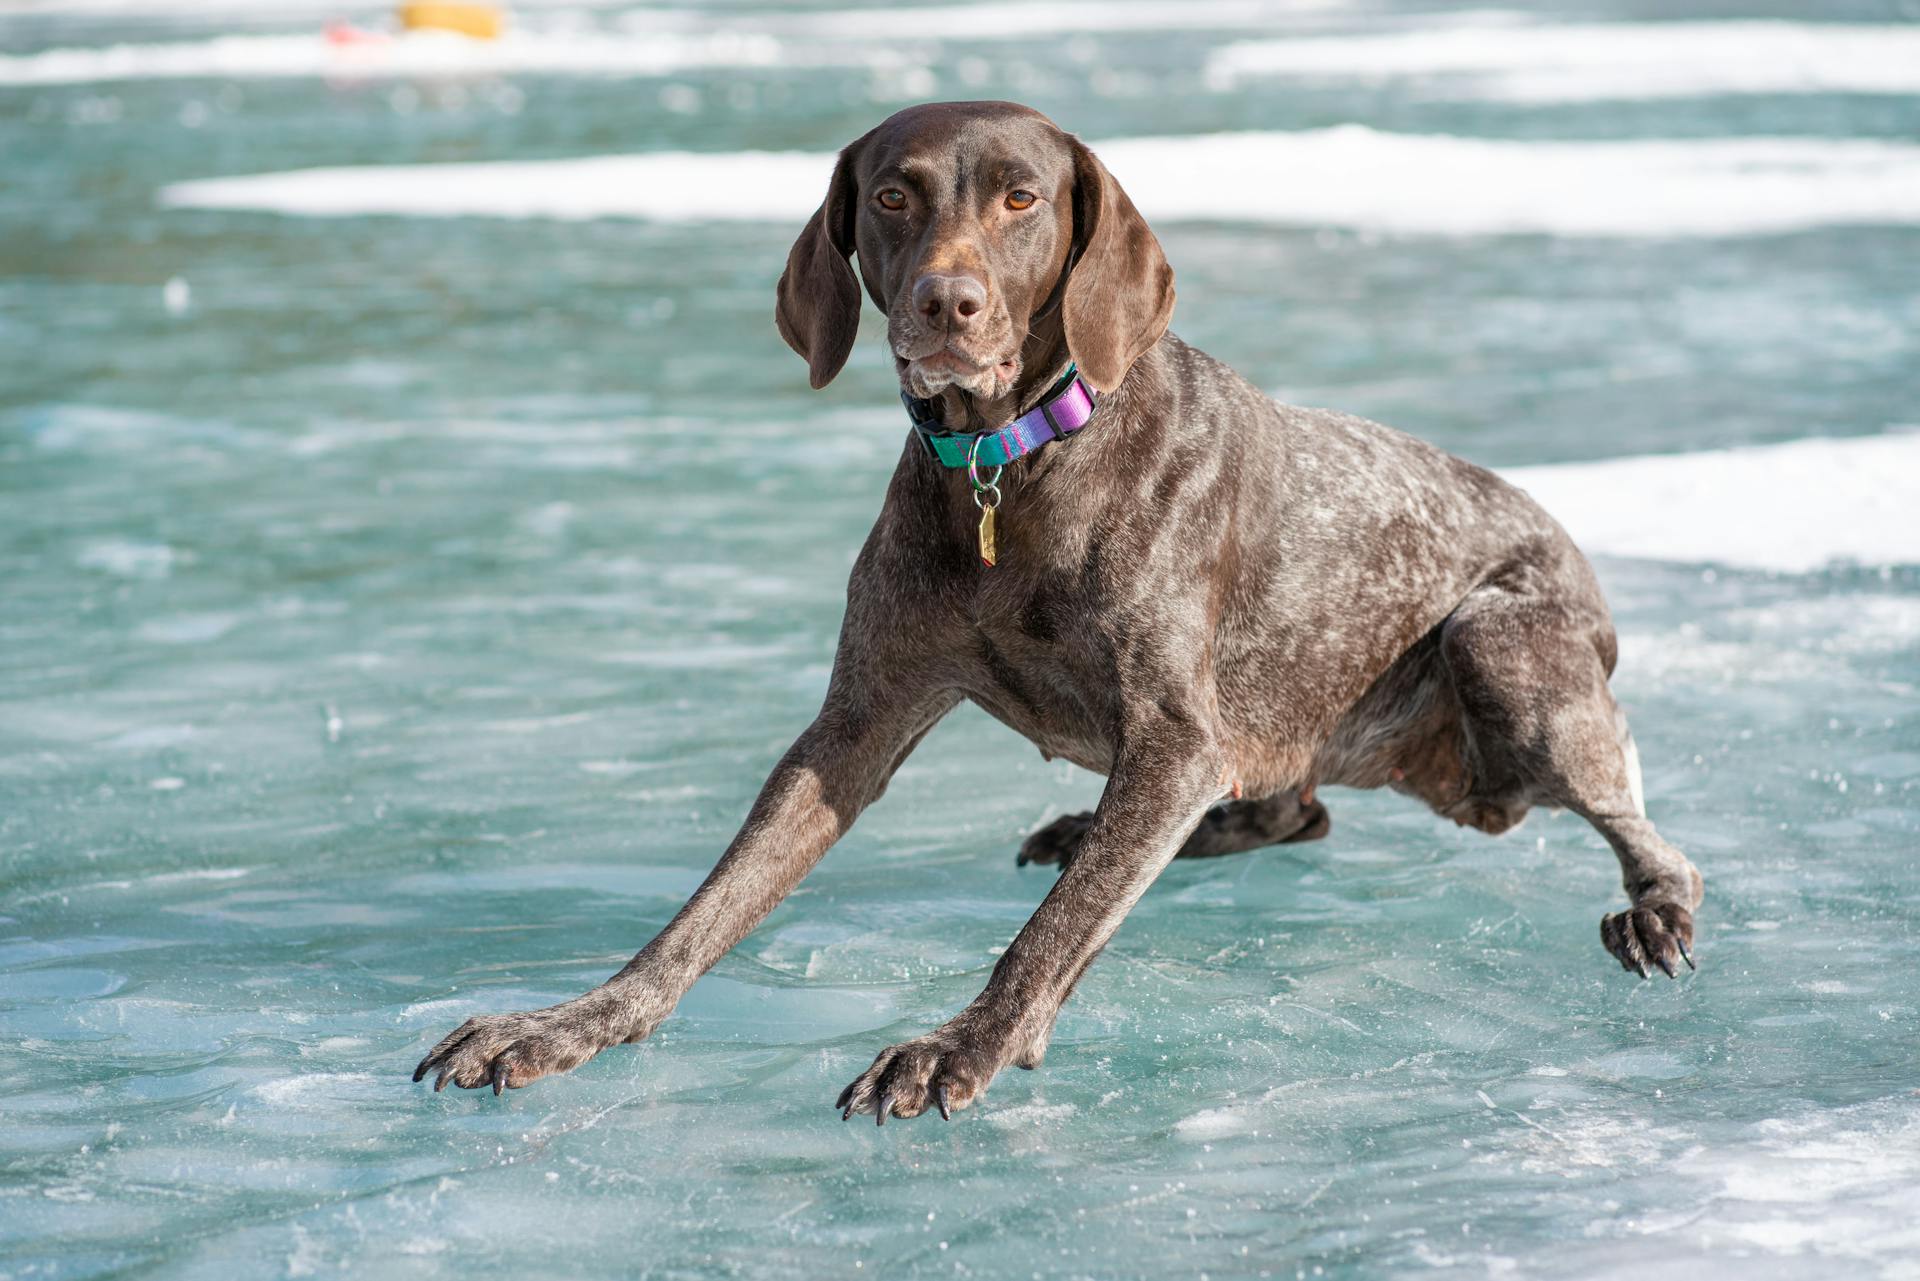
[{"x": 1065, "y": 409}]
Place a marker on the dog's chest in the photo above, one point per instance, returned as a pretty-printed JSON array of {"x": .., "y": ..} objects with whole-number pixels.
[{"x": 1041, "y": 665}]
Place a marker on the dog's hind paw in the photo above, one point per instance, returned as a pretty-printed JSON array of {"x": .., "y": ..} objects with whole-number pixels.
[
  {"x": 507, "y": 1051},
  {"x": 1057, "y": 842},
  {"x": 1650, "y": 934},
  {"x": 933, "y": 1073}
]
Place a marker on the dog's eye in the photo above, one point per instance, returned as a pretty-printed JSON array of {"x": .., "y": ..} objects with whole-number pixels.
[
  {"x": 892, "y": 198},
  {"x": 1020, "y": 199}
]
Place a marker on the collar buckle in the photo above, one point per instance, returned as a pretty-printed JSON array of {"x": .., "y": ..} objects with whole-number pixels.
[{"x": 925, "y": 422}]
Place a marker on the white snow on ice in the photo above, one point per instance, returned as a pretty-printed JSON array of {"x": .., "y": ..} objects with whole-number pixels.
[
  {"x": 322, "y": 1090},
  {"x": 426, "y": 53},
  {"x": 1494, "y": 55},
  {"x": 1833, "y": 1190},
  {"x": 1345, "y": 176},
  {"x": 1587, "y": 62},
  {"x": 1015, "y": 21},
  {"x": 645, "y": 41},
  {"x": 1792, "y": 507},
  {"x": 665, "y": 185}
]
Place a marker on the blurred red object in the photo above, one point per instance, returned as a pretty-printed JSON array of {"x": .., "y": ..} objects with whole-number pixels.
[{"x": 347, "y": 33}]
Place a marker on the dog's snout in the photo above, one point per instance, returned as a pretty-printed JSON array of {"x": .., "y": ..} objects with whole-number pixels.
[{"x": 949, "y": 302}]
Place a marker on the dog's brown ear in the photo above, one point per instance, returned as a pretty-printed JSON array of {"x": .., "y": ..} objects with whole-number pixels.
[
  {"x": 818, "y": 310},
  {"x": 1120, "y": 294}
]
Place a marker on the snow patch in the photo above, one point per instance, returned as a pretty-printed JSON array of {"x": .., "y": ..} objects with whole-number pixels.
[
  {"x": 312, "y": 1088},
  {"x": 1025, "y": 1116},
  {"x": 1580, "y": 62},
  {"x": 128, "y": 558},
  {"x": 426, "y": 53},
  {"x": 1792, "y": 507},
  {"x": 1215, "y": 1123},
  {"x": 984, "y": 22},
  {"x": 1344, "y": 176},
  {"x": 436, "y": 1008}
]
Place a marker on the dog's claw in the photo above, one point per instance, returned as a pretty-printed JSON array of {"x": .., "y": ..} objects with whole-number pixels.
[
  {"x": 937, "y": 1072},
  {"x": 499, "y": 1076},
  {"x": 422, "y": 1069},
  {"x": 1648, "y": 935},
  {"x": 440, "y": 1082}
]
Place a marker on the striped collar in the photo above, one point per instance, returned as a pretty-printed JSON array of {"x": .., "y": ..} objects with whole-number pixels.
[{"x": 1066, "y": 408}]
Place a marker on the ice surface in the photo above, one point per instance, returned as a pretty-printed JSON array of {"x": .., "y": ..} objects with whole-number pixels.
[{"x": 398, "y": 631}]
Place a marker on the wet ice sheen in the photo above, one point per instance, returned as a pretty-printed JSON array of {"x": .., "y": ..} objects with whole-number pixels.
[{"x": 398, "y": 623}]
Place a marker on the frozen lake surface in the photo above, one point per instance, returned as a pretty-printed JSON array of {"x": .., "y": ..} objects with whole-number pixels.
[{"x": 403, "y": 602}]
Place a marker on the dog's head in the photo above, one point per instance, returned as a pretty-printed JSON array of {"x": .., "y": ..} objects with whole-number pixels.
[{"x": 973, "y": 221}]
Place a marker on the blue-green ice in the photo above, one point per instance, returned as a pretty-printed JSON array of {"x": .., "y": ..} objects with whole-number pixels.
[{"x": 401, "y": 600}]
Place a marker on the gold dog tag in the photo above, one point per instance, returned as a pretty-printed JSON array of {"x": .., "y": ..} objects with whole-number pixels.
[{"x": 987, "y": 547}]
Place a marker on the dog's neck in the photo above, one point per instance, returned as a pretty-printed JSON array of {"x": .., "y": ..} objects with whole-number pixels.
[{"x": 1043, "y": 358}]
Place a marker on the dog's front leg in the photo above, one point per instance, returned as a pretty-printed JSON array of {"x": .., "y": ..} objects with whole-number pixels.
[
  {"x": 834, "y": 770},
  {"x": 1168, "y": 772}
]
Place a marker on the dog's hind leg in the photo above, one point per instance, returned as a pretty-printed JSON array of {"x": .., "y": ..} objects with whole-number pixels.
[
  {"x": 1529, "y": 655},
  {"x": 1231, "y": 827}
]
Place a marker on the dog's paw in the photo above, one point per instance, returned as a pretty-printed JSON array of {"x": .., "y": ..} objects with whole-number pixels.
[
  {"x": 1057, "y": 842},
  {"x": 1315, "y": 823},
  {"x": 507, "y": 1051},
  {"x": 936, "y": 1072},
  {"x": 1649, "y": 934}
]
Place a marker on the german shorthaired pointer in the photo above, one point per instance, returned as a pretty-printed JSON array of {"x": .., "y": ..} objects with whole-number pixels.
[{"x": 1116, "y": 546}]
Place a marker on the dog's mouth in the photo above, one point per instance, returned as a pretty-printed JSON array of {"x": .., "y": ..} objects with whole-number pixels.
[{"x": 928, "y": 375}]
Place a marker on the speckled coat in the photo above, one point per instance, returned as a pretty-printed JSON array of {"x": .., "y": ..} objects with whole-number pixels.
[{"x": 1220, "y": 603}]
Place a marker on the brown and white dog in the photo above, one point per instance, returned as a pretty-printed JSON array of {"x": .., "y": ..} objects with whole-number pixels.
[{"x": 1220, "y": 603}]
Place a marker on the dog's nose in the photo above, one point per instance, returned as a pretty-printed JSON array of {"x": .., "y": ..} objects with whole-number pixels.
[{"x": 949, "y": 302}]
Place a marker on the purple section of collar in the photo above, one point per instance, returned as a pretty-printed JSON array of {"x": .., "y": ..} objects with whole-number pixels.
[
  {"x": 1054, "y": 419},
  {"x": 1068, "y": 412}
]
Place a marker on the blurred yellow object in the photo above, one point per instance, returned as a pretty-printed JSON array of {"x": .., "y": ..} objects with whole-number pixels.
[{"x": 481, "y": 21}]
